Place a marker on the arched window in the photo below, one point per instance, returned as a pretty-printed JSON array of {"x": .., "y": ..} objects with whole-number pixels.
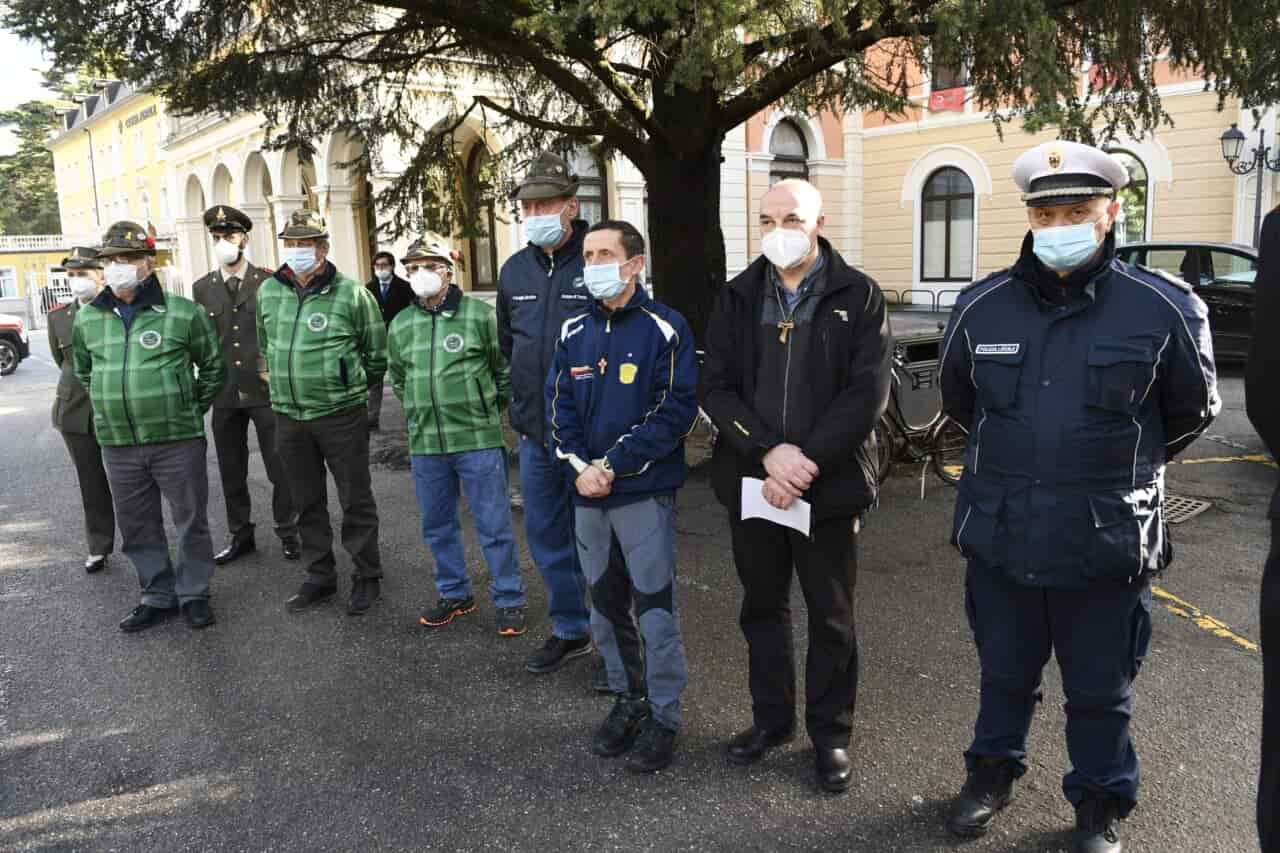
[
  {"x": 790, "y": 152},
  {"x": 946, "y": 223},
  {"x": 1132, "y": 227},
  {"x": 484, "y": 248},
  {"x": 593, "y": 200}
]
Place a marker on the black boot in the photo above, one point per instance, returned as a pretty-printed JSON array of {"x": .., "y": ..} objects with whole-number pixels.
[
  {"x": 987, "y": 790},
  {"x": 1098, "y": 826},
  {"x": 654, "y": 749},
  {"x": 621, "y": 728}
]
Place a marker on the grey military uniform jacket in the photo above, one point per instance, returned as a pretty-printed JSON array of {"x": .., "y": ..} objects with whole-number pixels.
[
  {"x": 72, "y": 410},
  {"x": 234, "y": 315}
]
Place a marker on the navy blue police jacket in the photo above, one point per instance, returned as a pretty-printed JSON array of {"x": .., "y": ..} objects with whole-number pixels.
[
  {"x": 624, "y": 387},
  {"x": 1073, "y": 405},
  {"x": 537, "y": 292}
]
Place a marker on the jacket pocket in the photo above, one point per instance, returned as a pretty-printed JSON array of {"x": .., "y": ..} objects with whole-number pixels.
[
  {"x": 184, "y": 394},
  {"x": 1120, "y": 372},
  {"x": 343, "y": 376},
  {"x": 996, "y": 371},
  {"x": 977, "y": 517},
  {"x": 484, "y": 403},
  {"x": 1128, "y": 534}
]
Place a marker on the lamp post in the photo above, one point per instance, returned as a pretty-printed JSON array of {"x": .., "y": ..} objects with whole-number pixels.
[{"x": 1232, "y": 146}]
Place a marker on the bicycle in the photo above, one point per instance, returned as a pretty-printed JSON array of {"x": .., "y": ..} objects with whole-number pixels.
[{"x": 940, "y": 442}]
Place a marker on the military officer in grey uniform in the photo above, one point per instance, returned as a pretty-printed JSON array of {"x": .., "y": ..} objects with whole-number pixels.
[
  {"x": 73, "y": 413},
  {"x": 229, "y": 294}
]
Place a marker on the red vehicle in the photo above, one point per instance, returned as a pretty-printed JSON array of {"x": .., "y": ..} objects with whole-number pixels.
[{"x": 15, "y": 343}]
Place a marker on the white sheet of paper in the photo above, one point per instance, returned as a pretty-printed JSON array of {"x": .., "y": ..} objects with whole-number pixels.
[{"x": 755, "y": 506}]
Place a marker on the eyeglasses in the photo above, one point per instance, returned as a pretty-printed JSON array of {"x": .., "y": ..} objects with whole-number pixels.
[{"x": 438, "y": 269}]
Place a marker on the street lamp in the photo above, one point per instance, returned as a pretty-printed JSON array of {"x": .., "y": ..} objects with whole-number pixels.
[{"x": 1232, "y": 147}]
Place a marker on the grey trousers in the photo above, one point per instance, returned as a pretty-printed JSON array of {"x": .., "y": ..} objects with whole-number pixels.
[
  {"x": 646, "y": 533},
  {"x": 95, "y": 492},
  {"x": 139, "y": 477}
]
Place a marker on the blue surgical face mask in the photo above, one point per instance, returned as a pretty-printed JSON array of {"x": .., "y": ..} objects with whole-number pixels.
[
  {"x": 544, "y": 231},
  {"x": 1066, "y": 247},
  {"x": 604, "y": 281},
  {"x": 300, "y": 259}
]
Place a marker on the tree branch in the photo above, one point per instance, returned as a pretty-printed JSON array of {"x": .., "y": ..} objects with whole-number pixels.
[{"x": 537, "y": 121}]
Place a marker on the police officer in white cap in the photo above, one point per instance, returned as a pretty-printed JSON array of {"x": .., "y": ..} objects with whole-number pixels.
[{"x": 1078, "y": 378}]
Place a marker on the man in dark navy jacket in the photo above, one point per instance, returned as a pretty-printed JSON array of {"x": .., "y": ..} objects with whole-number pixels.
[
  {"x": 622, "y": 396},
  {"x": 1078, "y": 377},
  {"x": 394, "y": 295},
  {"x": 1262, "y": 392},
  {"x": 796, "y": 376}
]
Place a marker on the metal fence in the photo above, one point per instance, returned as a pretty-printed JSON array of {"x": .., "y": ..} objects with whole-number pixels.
[{"x": 46, "y": 291}]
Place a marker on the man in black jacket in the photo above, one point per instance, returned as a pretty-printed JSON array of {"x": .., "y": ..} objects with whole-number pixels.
[
  {"x": 1263, "y": 401},
  {"x": 797, "y": 373},
  {"x": 394, "y": 295}
]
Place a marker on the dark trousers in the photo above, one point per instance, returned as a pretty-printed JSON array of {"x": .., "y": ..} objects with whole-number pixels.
[
  {"x": 341, "y": 442},
  {"x": 95, "y": 492},
  {"x": 231, "y": 438},
  {"x": 827, "y": 566},
  {"x": 1269, "y": 782},
  {"x": 1099, "y": 637}
]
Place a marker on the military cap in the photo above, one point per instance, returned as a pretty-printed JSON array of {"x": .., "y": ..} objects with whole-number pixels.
[
  {"x": 225, "y": 219},
  {"x": 126, "y": 238},
  {"x": 81, "y": 258},
  {"x": 305, "y": 225},
  {"x": 1062, "y": 172},
  {"x": 432, "y": 245},
  {"x": 548, "y": 177}
]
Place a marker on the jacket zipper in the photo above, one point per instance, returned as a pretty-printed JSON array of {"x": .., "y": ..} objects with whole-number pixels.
[
  {"x": 431, "y": 385},
  {"x": 124, "y": 382},
  {"x": 786, "y": 373}
]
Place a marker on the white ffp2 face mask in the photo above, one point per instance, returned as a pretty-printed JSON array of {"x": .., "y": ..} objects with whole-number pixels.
[
  {"x": 82, "y": 287},
  {"x": 121, "y": 278},
  {"x": 426, "y": 283},
  {"x": 786, "y": 247},
  {"x": 227, "y": 253}
]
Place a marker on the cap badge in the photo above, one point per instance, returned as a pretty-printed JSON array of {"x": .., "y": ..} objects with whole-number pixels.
[
  {"x": 222, "y": 214},
  {"x": 1055, "y": 159}
]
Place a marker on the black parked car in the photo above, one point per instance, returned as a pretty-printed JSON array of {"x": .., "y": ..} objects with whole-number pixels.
[{"x": 1222, "y": 275}]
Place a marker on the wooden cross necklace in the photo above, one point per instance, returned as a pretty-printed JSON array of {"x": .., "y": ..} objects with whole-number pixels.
[{"x": 785, "y": 325}]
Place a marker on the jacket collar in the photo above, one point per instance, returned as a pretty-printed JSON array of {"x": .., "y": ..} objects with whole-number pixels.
[
  {"x": 568, "y": 251},
  {"x": 150, "y": 294},
  {"x": 638, "y": 300},
  {"x": 1050, "y": 289},
  {"x": 447, "y": 308},
  {"x": 319, "y": 283}
]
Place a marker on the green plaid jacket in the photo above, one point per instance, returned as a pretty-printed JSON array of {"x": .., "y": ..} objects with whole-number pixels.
[
  {"x": 154, "y": 381},
  {"x": 323, "y": 349},
  {"x": 448, "y": 370}
]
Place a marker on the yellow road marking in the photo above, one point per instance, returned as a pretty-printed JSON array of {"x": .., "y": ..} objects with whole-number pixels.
[
  {"x": 1186, "y": 610},
  {"x": 1260, "y": 458}
]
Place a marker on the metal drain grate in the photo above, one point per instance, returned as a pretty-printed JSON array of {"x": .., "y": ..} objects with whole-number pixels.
[{"x": 1178, "y": 509}]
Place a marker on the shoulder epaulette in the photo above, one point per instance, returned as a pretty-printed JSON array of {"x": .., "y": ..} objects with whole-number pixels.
[
  {"x": 1179, "y": 283},
  {"x": 60, "y": 306},
  {"x": 986, "y": 280}
]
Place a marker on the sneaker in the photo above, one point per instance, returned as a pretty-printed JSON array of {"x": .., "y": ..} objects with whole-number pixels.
[
  {"x": 364, "y": 592},
  {"x": 654, "y": 749},
  {"x": 1097, "y": 826},
  {"x": 445, "y": 611},
  {"x": 621, "y": 728},
  {"x": 555, "y": 653},
  {"x": 511, "y": 621},
  {"x": 987, "y": 790}
]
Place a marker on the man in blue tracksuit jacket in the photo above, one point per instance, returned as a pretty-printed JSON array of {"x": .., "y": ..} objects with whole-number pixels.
[
  {"x": 1078, "y": 378},
  {"x": 539, "y": 288},
  {"x": 622, "y": 396}
]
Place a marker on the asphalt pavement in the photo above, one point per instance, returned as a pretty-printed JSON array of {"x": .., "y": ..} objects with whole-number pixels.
[{"x": 319, "y": 731}]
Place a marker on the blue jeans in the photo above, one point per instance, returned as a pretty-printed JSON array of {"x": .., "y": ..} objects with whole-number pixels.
[
  {"x": 548, "y": 525},
  {"x": 483, "y": 476}
]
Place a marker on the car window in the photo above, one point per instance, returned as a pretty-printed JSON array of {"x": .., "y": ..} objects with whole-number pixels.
[
  {"x": 1231, "y": 269},
  {"x": 1180, "y": 262}
]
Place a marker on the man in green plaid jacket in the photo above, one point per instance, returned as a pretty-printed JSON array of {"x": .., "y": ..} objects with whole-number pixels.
[
  {"x": 152, "y": 364},
  {"x": 325, "y": 343},
  {"x": 448, "y": 370}
]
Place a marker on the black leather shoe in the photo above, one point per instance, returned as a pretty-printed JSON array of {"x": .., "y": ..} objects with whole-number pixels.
[
  {"x": 835, "y": 770},
  {"x": 749, "y": 746},
  {"x": 308, "y": 595},
  {"x": 364, "y": 592},
  {"x": 621, "y": 728},
  {"x": 198, "y": 614},
  {"x": 145, "y": 616},
  {"x": 234, "y": 551},
  {"x": 1098, "y": 826},
  {"x": 654, "y": 749},
  {"x": 987, "y": 789},
  {"x": 292, "y": 549},
  {"x": 95, "y": 564}
]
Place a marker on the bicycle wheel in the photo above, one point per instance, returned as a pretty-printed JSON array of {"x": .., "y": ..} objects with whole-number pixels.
[
  {"x": 884, "y": 450},
  {"x": 947, "y": 444}
]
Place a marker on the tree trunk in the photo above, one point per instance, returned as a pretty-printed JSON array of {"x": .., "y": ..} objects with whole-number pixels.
[{"x": 686, "y": 252}]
